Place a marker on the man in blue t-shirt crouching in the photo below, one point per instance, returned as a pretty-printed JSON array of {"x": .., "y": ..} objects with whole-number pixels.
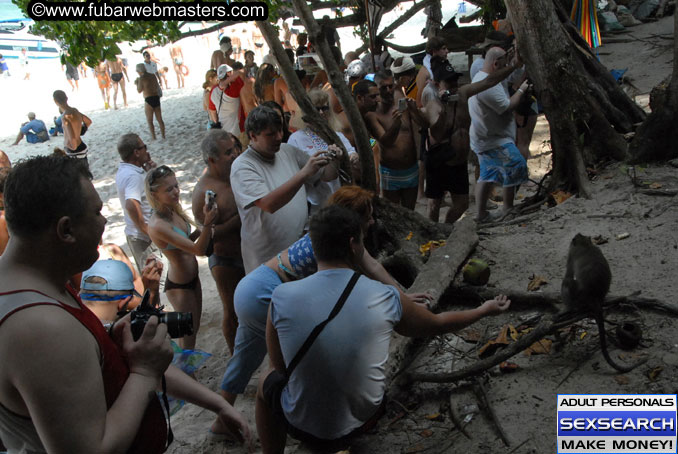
[{"x": 336, "y": 390}]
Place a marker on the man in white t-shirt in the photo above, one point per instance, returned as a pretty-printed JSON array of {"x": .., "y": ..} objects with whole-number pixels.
[
  {"x": 224, "y": 105},
  {"x": 337, "y": 388},
  {"x": 132, "y": 194},
  {"x": 492, "y": 134},
  {"x": 268, "y": 185},
  {"x": 151, "y": 67}
]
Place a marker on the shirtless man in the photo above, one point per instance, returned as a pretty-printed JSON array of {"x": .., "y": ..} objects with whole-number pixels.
[
  {"x": 449, "y": 117},
  {"x": 177, "y": 57},
  {"x": 280, "y": 88},
  {"x": 219, "y": 152},
  {"x": 117, "y": 70},
  {"x": 104, "y": 82},
  {"x": 148, "y": 85},
  {"x": 448, "y": 138},
  {"x": 366, "y": 96},
  {"x": 72, "y": 122},
  {"x": 393, "y": 125},
  {"x": 223, "y": 55},
  {"x": 355, "y": 72},
  {"x": 247, "y": 99}
]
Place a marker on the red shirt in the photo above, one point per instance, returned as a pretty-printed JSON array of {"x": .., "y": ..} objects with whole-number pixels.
[
  {"x": 152, "y": 434},
  {"x": 233, "y": 90}
]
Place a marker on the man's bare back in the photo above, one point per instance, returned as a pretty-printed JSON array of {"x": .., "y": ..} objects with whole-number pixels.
[
  {"x": 247, "y": 98},
  {"x": 72, "y": 123},
  {"x": 115, "y": 67},
  {"x": 218, "y": 59},
  {"x": 148, "y": 85},
  {"x": 344, "y": 125}
]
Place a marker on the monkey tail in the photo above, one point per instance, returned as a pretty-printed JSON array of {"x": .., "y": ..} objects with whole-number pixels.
[{"x": 603, "y": 342}]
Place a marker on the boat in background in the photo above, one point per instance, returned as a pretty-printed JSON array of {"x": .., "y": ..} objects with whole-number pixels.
[{"x": 15, "y": 36}]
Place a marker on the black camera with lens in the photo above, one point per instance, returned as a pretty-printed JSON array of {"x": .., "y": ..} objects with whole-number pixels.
[
  {"x": 179, "y": 324},
  {"x": 214, "y": 124}
]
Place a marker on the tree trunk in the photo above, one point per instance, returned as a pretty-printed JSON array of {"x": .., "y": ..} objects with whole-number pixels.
[
  {"x": 586, "y": 110},
  {"x": 416, "y": 7},
  {"x": 336, "y": 78},
  {"x": 657, "y": 137},
  {"x": 434, "y": 278}
]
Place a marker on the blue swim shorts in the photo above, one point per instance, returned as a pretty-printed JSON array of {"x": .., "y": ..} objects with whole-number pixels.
[
  {"x": 393, "y": 180},
  {"x": 504, "y": 165}
]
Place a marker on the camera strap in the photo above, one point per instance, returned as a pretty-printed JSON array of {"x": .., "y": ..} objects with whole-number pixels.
[
  {"x": 170, "y": 434},
  {"x": 317, "y": 330},
  {"x": 221, "y": 99}
]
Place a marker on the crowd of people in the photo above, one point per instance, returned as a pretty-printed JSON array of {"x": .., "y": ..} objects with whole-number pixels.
[{"x": 284, "y": 241}]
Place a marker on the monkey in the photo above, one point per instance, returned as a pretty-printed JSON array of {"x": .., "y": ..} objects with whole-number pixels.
[{"x": 586, "y": 282}]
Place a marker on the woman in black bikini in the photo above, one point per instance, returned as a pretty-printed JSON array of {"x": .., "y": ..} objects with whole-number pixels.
[{"x": 170, "y": 229}]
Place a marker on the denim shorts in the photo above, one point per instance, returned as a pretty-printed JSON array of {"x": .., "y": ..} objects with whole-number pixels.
[{"x": 251, "y": 300}]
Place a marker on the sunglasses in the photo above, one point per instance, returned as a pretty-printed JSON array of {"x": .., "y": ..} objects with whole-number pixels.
[
  {"x": 323, "y": 108},
  {"x": 158, "y": 173}
]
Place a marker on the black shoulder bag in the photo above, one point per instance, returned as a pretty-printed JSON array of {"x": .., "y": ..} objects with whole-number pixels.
[{"x": 318, "y": 329}]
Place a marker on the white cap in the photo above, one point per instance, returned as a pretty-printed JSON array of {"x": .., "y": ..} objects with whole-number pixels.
[
  {"x": 407, "y": 63},
  {"x": 270, "y": 59},
  {"x": 356, "y": 69},
  {"x": 223, "y": 70}
]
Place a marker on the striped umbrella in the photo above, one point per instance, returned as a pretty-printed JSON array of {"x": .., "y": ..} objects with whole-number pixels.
[{"x": 585, "y": 17}]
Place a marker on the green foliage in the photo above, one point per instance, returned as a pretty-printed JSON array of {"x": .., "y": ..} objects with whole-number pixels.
[
  {"x": 95, "y": 41},
  {"x": 273, "y": 7},
  {"x": 362, "y": 32},
  {"x": 492, "y": 9}
]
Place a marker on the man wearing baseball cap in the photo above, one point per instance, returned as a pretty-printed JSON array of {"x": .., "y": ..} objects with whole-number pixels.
[
  {"x": 405, "y": 73},
  {"x": 224, "y": 107},
  {"x": 107, "y": 287}
]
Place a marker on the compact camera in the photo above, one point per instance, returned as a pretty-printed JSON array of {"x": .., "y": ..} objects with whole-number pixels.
[
  {"x": 330, "y": 154},
  {"x": 448, "y": 96},
  {"x": 402, "y": 104},
  {"x": 209, "y": 198},
  {"x": 179, "y": 324}
]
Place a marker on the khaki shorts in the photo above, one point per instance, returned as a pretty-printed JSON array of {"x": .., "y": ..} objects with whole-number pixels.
[{"x": 142, "y": 249}]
